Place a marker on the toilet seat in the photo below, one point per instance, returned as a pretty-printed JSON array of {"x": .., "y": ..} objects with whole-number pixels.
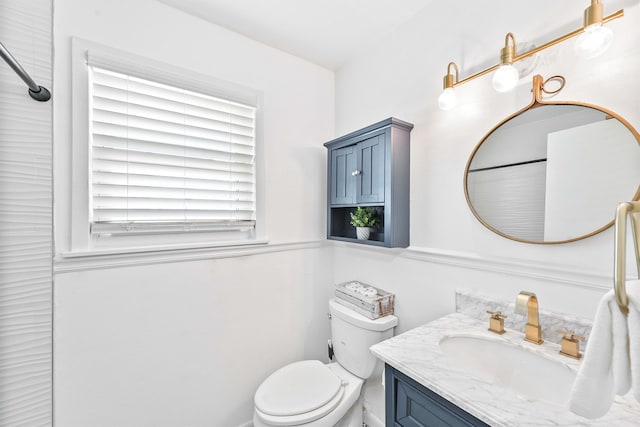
[
  {"x": 327, "y": 415},
  {"x": 286, "y": 397},
  {"x": 305, "y": 418}
]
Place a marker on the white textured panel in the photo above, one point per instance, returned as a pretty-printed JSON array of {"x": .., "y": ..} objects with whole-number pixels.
[
  {"x": 511, "y": 199},
  {"x": 25, "y": 219}
]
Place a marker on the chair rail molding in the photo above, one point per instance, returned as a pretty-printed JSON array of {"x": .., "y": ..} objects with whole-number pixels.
[{"x": 511, "y": 266}]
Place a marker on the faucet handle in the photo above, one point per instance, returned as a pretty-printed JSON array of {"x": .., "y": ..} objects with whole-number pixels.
[
  {"x": 570, "y": 335},
  {"x": 570, "y": 344},
  {"x": 497, "y": 314},
  {"x": 496, "y": 322}
]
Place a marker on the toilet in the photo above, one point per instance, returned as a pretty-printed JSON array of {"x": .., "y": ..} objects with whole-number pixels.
[{"x": 312, "y": 394}]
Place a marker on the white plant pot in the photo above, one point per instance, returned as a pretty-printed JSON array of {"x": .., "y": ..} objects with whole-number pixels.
[{"x": 363, "y": 233}]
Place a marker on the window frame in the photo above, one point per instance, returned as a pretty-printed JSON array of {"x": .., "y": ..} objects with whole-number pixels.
[{"x": 123, "y": 62}]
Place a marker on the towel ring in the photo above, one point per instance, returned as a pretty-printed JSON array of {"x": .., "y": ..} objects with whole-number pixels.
[{"x": 631, "y": 209}]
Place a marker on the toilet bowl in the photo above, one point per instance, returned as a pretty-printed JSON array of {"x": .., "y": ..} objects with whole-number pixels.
[
  {"x": 307, "y": 393},
  {"x": 311, "y": 394}
]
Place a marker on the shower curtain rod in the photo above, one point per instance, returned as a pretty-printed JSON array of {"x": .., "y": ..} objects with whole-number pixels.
[{"x": 36, "y": 92}]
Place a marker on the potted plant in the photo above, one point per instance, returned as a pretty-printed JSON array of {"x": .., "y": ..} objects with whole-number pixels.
[{"x": 363, "y": 219}]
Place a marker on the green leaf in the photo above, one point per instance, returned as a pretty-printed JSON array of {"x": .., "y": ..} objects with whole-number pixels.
[{"x": 363, "y": 217}]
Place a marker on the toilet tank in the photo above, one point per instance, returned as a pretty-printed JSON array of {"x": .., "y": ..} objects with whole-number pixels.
[{"x": 352, "y": 334}]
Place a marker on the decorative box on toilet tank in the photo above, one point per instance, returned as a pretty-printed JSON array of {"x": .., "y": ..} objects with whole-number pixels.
[{"x": 365, "y": 299}]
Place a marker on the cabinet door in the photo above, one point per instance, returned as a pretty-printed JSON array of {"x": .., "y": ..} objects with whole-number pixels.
[
  {"x": 370, "y": 182},
  {"x": 343, "y": 183},
  {"x": 409, "y": 404}
]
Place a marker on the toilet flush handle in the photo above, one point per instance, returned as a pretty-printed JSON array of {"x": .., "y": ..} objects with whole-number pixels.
[{"x": 330, "y": 349}]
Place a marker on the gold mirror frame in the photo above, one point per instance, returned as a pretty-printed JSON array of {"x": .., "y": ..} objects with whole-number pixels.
[{"x": 537, "y": 101}]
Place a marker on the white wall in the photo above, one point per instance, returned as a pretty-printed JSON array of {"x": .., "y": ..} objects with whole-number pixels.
[
  {"x": 184, "y": 338},
  {"x": 184, "y": 344},
  {"x": 601, "y": 156},
  {"x": 25, "y": 219},
  {"x": 402, "y": 77}
]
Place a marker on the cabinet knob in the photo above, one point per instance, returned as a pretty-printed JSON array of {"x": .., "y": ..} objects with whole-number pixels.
[{"x": 355, "y": 173}]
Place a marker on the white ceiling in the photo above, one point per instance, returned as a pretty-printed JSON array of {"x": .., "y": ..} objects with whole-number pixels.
[{"x": 325, "y": 32}]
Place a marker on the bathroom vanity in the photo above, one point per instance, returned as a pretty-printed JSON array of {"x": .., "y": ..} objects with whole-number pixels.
[
  {"x": 409, "y": 403},
  {"x": 455, "y": 371}
]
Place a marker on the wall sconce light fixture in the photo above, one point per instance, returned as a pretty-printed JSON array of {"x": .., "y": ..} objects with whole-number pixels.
[
  {"x": 447, "y": 99},
  {"x": 594, "y": 38},
  {"x": 506, "y": 76}
]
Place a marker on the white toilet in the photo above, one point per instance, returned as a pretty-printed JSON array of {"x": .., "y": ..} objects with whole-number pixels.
[{"x": 313, "y": 394}]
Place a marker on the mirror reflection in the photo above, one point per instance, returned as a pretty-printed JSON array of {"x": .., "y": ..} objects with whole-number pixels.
[{"x": 554, "y": 173}]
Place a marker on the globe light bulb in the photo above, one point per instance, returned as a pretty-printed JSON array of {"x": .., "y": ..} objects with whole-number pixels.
[
  {"x": 447, "y": 99},
  {"x": 505, "y": 78},
  {"x": 594, "y": 41}
]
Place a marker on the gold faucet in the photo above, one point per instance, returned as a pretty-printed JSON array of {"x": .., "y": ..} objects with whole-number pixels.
[{"x": 527, "y": 303}]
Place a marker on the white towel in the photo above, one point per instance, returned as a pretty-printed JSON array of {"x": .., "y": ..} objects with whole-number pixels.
[
  {"x": 605, "y": 370},
  {"x": 633, "y": 324}
]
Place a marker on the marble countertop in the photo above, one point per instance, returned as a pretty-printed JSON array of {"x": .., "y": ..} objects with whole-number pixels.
[{"x": 416, "y": 353}]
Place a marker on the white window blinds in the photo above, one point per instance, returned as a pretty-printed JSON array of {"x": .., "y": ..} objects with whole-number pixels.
[{"x": 168, "y": 159}]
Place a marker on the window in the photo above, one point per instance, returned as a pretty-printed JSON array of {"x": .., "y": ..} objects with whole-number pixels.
[
  {"x": 168, "y": 159},
  {"x": 162, "y": 157}
]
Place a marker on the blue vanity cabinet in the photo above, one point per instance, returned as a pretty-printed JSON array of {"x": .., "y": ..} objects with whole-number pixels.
[
  {"x": 410, "y": 404},
  {"x": 370, "y": 167}
]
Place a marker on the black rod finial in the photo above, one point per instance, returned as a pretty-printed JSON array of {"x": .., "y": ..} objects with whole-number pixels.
[{"x": 42, "y": 95}]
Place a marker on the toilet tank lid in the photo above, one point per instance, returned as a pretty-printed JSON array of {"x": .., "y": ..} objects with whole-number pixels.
[{"x": 357, "y": 319}]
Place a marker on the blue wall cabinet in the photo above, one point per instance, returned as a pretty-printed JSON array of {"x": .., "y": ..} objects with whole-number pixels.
[
  {"x": 370, "y": 167},
  {"x": 410, "y": 404}
]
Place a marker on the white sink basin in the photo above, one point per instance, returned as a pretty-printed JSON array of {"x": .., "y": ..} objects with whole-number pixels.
[{"x": 531, "y": 375}]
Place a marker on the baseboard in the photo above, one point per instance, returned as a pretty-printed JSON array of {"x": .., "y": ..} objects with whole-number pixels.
[{"x": 370, "y": 420}]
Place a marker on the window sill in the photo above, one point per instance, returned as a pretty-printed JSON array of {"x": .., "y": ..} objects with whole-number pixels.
[
  {"x": 159, "y": 249},
  {"x": 134, "y": 256}
]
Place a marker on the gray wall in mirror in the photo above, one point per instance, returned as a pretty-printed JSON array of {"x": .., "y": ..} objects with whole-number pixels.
[{"x": 553, "y": 173}]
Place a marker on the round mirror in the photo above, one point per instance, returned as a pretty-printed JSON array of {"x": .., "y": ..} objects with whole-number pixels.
[{"x": 553, "y": 172}]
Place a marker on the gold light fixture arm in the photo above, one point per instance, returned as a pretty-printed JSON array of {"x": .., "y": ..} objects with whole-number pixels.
[
  {"x": 476, "y": 75},
  {"x": 516, "y": 58},
  {"x": 618, "y": 14},
  {"x": 593, "y": 14},
  {"x": 449, "y": 81},
  {"x": 508, "y": 52}
]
